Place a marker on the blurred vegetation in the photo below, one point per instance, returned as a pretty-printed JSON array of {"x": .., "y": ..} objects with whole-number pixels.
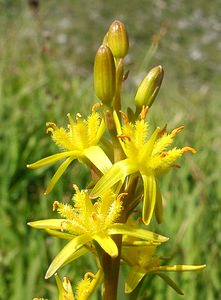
[{"x": 46, "y": 66}]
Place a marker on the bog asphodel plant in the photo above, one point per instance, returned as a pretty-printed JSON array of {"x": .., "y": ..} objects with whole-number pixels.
[{"x": 125, "y": 163}]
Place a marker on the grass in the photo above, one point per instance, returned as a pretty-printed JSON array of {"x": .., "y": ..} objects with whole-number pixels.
[{"x": 45, "y": 71}]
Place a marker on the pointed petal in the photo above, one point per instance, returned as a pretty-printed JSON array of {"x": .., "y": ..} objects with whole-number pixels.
[
  {"x": 158, "y": 205},
  {"x": 60, "y": 234},
  {"x": 146, "y": 235},
  {"x": 60, "y": 287},
  {"x": 171, "y": 283},
  {"x": 149, "y": 198},
  {"x": 107, "y": 244},
  {"x": 66, "y": 253},
  {"x": 47, "y": 224},
  {"x": 97, "y": 156},
  {"x": 118, "y": 128},
  {"x": 135, "y": 275},
  {"x": 180, "y": 268},
  {"x": 117, "y": 173},
  {"x": 52, "y": 159},
  {"x": 58, "y": 174},
  {"x": 76, "y": 255},
  {"x": 100, "y": 130},
  {"x": 148, "y": 147}
]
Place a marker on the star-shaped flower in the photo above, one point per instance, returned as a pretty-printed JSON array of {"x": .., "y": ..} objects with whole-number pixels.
[
  {"x": 87, "y": 222},
  {"x": 144, "y": 261},
  {"x": 146, "y": 157},
  {"x": 78, "y": 141}
]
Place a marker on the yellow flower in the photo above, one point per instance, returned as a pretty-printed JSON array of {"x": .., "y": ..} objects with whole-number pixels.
[
  {"x": 87, "y": 222},
  {"x": 144, "y": 261},
  {"x": 84, "y": 288},
  {"x": 64, "y": 288},
  {"x": 78, "y": 141},
  {"x": 146, "y": 157}
]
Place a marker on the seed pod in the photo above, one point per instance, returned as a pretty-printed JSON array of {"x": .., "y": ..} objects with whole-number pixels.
[
  {"x": 118, "y": 39},
  {"x": 104, "y": 75},
  {"x": 149, "y": 87}
]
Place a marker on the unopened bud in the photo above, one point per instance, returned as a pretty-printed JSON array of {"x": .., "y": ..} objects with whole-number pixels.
[
  {"x": 118, "y": 39},
  {"x": 104, "y": 75},
  {"x": 149, "y": 87}
]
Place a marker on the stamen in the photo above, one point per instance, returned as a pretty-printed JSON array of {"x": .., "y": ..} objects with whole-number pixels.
[
  {"x": 144, "y": 111},
  {"x": 163, "y": 131},
  {"x": 121, "y": 196},
  {"x": 139, "y": 220},
  {"x": 125, "y": 76},
  {"x": 75, "y": 187},
  {"x": 176, "y": 131},
  {"x": 96, "y": 105},
  {"x": 187, "y": 148},
  {"x": 94, "y": 216},
  {"x": 176, "y": 166},
  {"x": 55, "y": 204},
  {"x": 49, "y": 130},
  {"x": 78, "y": 116},
  {"x": 124, "y": 136},
  {"x": 52, "y": 124},
  {"x": 89, "y": 274},
  {"x": 62, "y": 225},
  {"x": 163, "y": 154},
  {"x": 125, "y": 117}
]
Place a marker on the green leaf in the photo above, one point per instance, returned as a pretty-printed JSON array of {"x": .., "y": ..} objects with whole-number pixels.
[
  {"x": 65, "y": 254},
  {"x": 149, "y": 198},
  {"x": 135, "y": 275},
  {"x": 146, "y": 235},
  {"x": 106, "y": 243},
  {"x": 97, "y": 156}
]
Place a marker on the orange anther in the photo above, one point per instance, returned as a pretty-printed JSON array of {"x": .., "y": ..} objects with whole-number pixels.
[
  {"x": 96, "y": 105},
  {"x": 55, "y": 204},
  {"x": 144, "y": 111},
  {"x": 176, "y": 166},
  {"x": 187, "y": 148},
  {"x": 163, "y": 154},
  {"x": 94, "y": 216},
  {"x": 89, "y": 274},
  {"x": 163, "y": 131},
  {"x": 176, "y": 131},
  {"x": 121, "y": 196},
  {"x": 125, "y": 117},
  {"x": 51, "y": 124},
  {"x": 124, "y": 136}
]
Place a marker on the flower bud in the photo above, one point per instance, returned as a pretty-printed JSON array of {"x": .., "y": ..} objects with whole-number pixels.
[
  {"x": 104, "y": 75},
  {"x": 118, "y": 39},
  {"x": 149, "y": 87}
]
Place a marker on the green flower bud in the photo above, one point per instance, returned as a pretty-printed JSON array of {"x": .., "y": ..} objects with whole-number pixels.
[
  {"x": 149, "y": 87},
  {"x": 118, "y": 39},
  {"x": 104, "y": 75}
]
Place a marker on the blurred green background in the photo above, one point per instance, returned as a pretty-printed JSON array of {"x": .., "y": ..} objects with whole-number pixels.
[{"x": 46, "y": 69}]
